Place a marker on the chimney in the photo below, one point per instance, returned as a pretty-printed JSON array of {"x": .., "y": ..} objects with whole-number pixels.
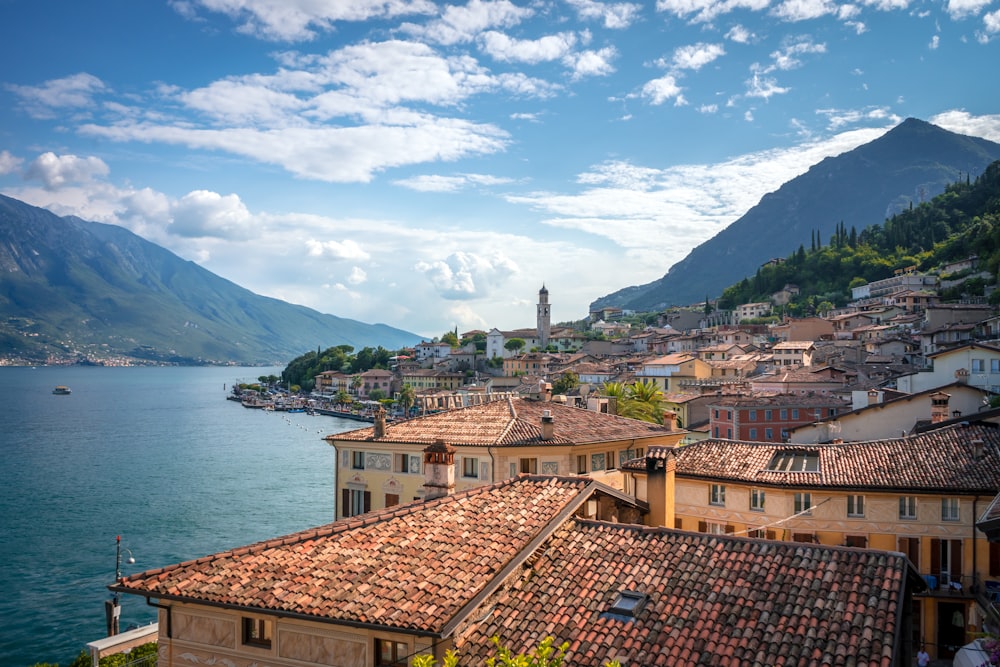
[
  {"x": 379, "y": 422},
  {"x": 962, "y": 376},
  {"x": 939, "y": 407},
  {"x": 660, "y": 474},
  {"x": 548, "y": 425},
  {"x": 439, "y": 470}
]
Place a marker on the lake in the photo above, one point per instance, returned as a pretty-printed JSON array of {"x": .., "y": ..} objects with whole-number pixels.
[{"x": 156, "y": 455}]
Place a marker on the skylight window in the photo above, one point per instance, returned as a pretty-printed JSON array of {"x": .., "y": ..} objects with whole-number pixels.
[
  {"x": 795, "y": 461},
  {"x": 629, "y": 603}
]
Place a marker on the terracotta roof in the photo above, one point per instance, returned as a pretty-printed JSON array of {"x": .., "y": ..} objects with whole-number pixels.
[
  {"x": 512, "y": 560},
  {"x": 509, "y": 423},
  {"x": 414, "y": 567},
  {"x": 941, "y": 460},
  {"x": 766, "y": 400},
  {"x": 712, "y": 601}
]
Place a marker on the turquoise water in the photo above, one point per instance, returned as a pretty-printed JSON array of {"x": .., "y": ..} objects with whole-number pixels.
[{"x": 156, "y": 455}]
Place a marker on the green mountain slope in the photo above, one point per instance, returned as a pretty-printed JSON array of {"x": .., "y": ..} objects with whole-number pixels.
[
  {"x": 961, "y": 222},
  {"x": 911, "y": 163},
  {"x": 73, "y": 288}
]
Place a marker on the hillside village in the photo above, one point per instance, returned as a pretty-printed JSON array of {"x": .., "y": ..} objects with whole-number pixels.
[{"x": 819, "y": 491}]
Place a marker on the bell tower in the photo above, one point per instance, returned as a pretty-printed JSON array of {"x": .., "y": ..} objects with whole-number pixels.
[{"x": 544, "y": 319}]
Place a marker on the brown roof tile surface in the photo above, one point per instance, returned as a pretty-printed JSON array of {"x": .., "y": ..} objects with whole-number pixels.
[
  {"x": 413, "y": 567},
  {"x": 941, "y": 460},
  {"x": 712, "y": 601},
  {"x": 509, "y": 423}
]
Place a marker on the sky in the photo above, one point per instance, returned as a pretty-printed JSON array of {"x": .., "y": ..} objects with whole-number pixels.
[{"x": 431, "y": 165}]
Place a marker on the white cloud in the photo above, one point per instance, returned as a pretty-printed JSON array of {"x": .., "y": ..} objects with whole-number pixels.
[
  {"x": 297, "y": 20},
  {"x": 935, "y": 42},
  {"x": 9, "y": 163},
  {"x": 708, "y": 108},
  {"x": 532, "y": 51},
  {"x": 740, "y": 35},
  {"x": 804, "y": 10},
  {"x": 591, "y": 63},
  {"x": 763, "y": 87},
  {"x": 614, "y": 15},
  {"x": 463, "y": 275},
  {"x": 660, "y": 90},
  {"x": 462, "y": 24},
  {"x": 838, "y": 119},
  {"x": 786, "y": 58},
  {"x": 696, "y": 56},
  {"x": 959, "y": 9},
  {"x": 58, "y": 171},
  {"x": 991, "y": 22},
  {"x": 347, "y": 249},
  {"x": 963, "y": 122},
  {"x": 706, "y": 11},
  {"x": 357, "y": 276},
  {"x": 76, "y": 91},
  {"x": 202, "y": 213},
  {"x": 439, "y": 183}
]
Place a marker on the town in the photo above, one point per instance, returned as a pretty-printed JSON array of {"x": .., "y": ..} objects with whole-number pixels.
[{"x": 818, "y": 490}]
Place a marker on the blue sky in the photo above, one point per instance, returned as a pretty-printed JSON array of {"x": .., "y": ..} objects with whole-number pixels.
[{"x": 431, "y": 165}]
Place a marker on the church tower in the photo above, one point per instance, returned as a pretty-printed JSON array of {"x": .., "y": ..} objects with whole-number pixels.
[{"x": 544, "y": 320}]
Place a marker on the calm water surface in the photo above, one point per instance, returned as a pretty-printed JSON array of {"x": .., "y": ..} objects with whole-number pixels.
[{"x": 156, "y": 455}]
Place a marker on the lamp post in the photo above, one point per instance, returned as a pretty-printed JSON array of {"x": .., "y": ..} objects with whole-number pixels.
[{"x": 112, "y": 607}]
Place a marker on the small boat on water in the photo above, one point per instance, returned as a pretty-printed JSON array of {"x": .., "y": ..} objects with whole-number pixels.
[{"x": 62, "y": 390}]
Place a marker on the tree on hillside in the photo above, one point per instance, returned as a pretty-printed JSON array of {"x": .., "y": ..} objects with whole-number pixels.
[
  {"x": 514, "y": 344},
  {"x": 451, "y": 338},
  {"x": 566, "y": 383}
]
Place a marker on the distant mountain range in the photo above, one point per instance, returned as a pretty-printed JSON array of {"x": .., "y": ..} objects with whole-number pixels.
[
  {"x": 76, "y": 289},
  {"x": 911, "y": 163}
]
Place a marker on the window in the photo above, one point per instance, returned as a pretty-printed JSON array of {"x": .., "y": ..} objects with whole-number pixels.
[
  {"x": 470, "y": 467},
  {"x": 803, "y": 503},
  {"x": 717, "y": 495},
  {"x": 729, "y": 415},
  {"x": 978, "y": 366},
  {"x": 639, "y": 452},
  {"x": 908, "y": 507},
  {"x": 757, "y": 500},
  {"x": 628, "y": 603},
  {"x": 609, "y": 461},
  {"x": 791, "y": 460},
  {"x": 716, "y": 414},
  {"x": 716, "y": 528},
  {"x": 767, "y": 415},
  {"x": 994, "y": 365},
  {"x": 859, "y": 541},
  {"x": 795, "y": 413},
  {"x": 389, "y": 652},
  {"x": 783, "y": 414},
  {"x": 855, "y": 506},
  {"x": 257, "y": 632},
  {"x": 357, "y": 460},
  {"x": 400, "y": 463},
  {"x": 581, "y": 464},
  {"x": 729, "y": 434},
  {"x": 753, "y": 415},
  {"x": 356, "y": 501},
  {"x": 391, "y": 499},
  {"x": 753, "y": 433},
  {"x": 949, "y": 509},
  {"x": 529, "y": 466},
  {"x": 769, "y": 434}
]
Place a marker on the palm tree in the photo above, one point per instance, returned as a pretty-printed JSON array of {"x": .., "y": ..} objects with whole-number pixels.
[
  {"x": 407, "y": 397},
  {"x": 640, "y": 400}
]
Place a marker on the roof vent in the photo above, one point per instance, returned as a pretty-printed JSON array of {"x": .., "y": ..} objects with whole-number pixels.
[{"x": 978, "y": 449}]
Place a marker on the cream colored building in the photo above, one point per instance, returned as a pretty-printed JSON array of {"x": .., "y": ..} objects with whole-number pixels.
[{"x": 380, "y": 466}]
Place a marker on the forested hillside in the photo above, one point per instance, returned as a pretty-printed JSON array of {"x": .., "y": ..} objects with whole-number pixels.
[{"x": 962, "y": 221}]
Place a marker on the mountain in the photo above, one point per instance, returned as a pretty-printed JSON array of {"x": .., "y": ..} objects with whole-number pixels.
[
  {"x": 911, "y": 163},
  {"x": 76, "y": 289}
]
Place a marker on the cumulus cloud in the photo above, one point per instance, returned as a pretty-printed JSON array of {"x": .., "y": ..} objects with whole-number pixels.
[
  {"x": 591, "y": 63},
  {"x": 991, "y": 22},
  {"x": 804, "y": 10},
  {"x": 58, "y": 171},
  {"x": 297, "y": 20},
  {"x": 661, "y": 90},
  {"x": 45, "y": 100},
  {"x": 696, "y": 56},
  {"x": 706, "y": 11},
  {"x": 531, "y": 51},
  {"x": 9, "y": 163},
  {"x": 740, "y": 35},
  {"x": 459, "y": 24},
  {"x": 614, "y": 15},
  {"x": 464, "y": 275},
  {"x": 202, "y": 213},
  {"x": 959, "y": 9},
  {"x": 337, "y": 250},
  {"x": 357, "y": 276},
  {"x": 763, "y": 87}
]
